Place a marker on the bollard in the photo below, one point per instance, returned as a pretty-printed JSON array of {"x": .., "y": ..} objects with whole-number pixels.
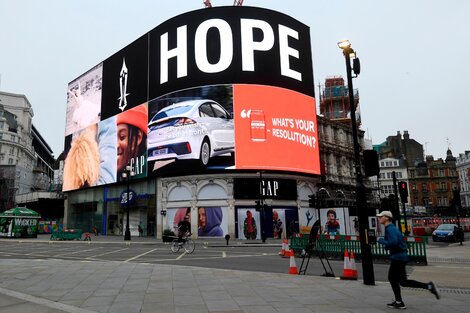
[{"x": 227, "y": 238}]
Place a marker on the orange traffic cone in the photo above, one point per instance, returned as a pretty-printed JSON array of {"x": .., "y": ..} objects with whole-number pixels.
[
  {"x": 292, "y": 266},
  {"x": 347, "y": 271},
  {"x": 353, "y": 266},
  {"x": 283, "y": 248},
  {"x": 287, "y": 250}
]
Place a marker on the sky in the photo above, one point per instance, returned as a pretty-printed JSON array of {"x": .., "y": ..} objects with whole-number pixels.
[{"x": 415, "y": 60}]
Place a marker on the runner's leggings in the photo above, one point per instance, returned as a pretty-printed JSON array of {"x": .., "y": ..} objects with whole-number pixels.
[{"x": 397, "y": 277}]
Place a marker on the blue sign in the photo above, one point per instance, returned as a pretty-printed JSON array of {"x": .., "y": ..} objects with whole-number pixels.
[{"x": 132, "y": 196}]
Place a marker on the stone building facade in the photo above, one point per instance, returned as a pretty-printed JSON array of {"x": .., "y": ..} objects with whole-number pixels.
[
  {"x": 17, "y": 157},
  {"x": 403, "y": 147},
  {"x": 431, "y": 183},
  {"x": 26, "y": 160},
  {"x": 463, "y": 171}
]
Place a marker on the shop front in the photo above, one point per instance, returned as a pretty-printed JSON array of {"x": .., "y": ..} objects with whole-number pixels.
[
  {"x": 141, "y": 206},
  {"x": 104, "y": 208},
  {"x": 226, "y": 204}
]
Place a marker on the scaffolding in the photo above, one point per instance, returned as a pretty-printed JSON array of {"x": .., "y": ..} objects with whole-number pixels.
[
  {"x": 334, "y": 100},
  {"x": 7, "y": 187}
]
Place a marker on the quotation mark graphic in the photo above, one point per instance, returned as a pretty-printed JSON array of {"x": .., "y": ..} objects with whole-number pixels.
[{"x": 245, "y": 114}]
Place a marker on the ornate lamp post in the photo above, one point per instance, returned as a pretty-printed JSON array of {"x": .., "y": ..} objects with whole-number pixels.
[
  {"x": 366, "y": 253},
  {"x": 127, "y": 174}
]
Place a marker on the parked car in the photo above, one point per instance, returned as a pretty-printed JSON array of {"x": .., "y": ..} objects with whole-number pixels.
[
  {"x": 194, "y": 129},
  {"x": 447, "y": 232}
]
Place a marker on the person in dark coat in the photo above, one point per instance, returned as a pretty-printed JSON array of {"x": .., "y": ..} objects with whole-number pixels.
[{"x": 393, "y": 241}]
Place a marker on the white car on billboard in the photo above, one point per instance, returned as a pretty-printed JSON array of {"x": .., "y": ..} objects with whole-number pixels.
[{"x": 193, "y": 129}]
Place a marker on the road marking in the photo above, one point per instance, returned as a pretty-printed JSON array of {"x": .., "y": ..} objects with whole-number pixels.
[
  {"x": 138, "y": 256},
  {"x": 208, "y": 257},
  {"x": 182, "y": 254},
  {"x": 224, "y": 254},
  {"x": 45, "y": 302},
  {"x": 110, "y": 252},
  {"x": 75, "y": 252},
  {"x": 457, "y": 267}
]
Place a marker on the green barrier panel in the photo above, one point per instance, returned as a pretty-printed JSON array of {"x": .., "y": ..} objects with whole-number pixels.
[
  {"x": 335, "y": 247},
  {"x": 68, "y": 234}
]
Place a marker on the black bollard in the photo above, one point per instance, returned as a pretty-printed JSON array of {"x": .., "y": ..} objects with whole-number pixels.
[{"x": 227, "y": 237}]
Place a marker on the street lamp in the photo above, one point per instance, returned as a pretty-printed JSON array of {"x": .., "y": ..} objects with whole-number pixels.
[
  {"x": 366, "y": 253},
  {"x": 127, "y": 174},
  {"x": 262, "y": 207}
]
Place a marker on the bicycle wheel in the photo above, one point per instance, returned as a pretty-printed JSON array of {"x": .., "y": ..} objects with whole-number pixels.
[
  {"x": 189, "y": 246},
  {"x": 175, "y": 247}
]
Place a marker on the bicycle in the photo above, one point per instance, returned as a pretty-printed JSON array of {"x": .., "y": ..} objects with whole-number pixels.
[{"x": 187, "y": 243}]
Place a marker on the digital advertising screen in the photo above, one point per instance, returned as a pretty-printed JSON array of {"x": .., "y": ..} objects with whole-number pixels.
[
  {"x": 84, "y": 100},
  {"x": 229, "y": 88}
]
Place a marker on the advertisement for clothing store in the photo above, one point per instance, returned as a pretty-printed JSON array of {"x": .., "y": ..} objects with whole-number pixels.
[
  {"x": 211, "y": 221},
  {"x": 219, "y": 90}
]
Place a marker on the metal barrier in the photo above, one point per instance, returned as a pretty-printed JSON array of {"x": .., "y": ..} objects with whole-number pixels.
[
  {"x": 67, "y": 234},
  {"x": 334, "y": 246}
]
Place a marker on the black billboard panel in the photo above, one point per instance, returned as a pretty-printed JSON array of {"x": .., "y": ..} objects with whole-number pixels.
[
  {"x": 125, "y": 75},
  {"x": 227, "y": 45},
  {"x": 266, "y": 188}
]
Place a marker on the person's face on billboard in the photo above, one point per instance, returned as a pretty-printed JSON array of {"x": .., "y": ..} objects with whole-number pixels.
[
  {"x": 275, "y": 216},
  {"x": 126, "y": 146},
  {"x": 202, "y": 217},
  {"x": 122, "y": 146},
  {"x": 331, "y": 216},
  {"x": 248, "y": 213}
]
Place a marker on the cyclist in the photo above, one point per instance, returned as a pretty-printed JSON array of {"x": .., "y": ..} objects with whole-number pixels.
[{"x": 184, "y": 227}]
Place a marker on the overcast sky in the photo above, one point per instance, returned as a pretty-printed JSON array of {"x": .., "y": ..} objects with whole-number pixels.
[{"x": 415, "y": 56}]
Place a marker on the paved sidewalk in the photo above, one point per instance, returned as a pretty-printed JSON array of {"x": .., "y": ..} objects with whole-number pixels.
[
  {"x": 73, "y": 286},
  {"x": 83, "y": 287}
]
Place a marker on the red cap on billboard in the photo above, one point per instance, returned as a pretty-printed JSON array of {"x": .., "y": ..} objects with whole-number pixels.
[{"x": 136, "y": 116}]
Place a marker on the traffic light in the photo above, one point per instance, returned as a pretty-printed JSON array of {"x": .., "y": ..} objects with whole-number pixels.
[
  {"x": 371, "y": 163},
  {"x": 257, "y": 205},
  {"x": 456, "y": 198},
  {"x": 311, "y": 201},
  {"x": 403, "y": 190}
]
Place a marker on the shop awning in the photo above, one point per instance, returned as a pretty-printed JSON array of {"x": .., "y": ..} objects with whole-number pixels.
[{"x": 21, "y": 212}]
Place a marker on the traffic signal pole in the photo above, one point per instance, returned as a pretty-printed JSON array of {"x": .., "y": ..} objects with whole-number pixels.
[
  {"x": 395, "y": 203},
  {"x": 403, "y": 189},
  {"x": 361, "y": 203},
  {"x": 262, "y": 207}
]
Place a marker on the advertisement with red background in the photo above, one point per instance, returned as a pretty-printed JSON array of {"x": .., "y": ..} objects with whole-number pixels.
[{"x": 275, "y": 129}]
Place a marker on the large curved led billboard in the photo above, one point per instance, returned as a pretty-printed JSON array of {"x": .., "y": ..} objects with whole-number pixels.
[{"x": 226, "y": 88}]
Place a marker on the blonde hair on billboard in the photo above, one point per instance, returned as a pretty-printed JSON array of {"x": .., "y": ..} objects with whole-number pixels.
[{"x": 82, "y": 165}]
